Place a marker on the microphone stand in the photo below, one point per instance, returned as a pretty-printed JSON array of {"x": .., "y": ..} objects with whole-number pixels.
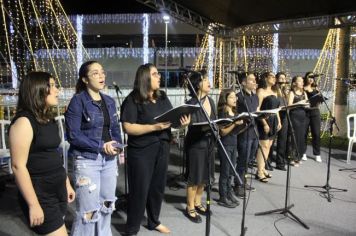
[
  {"x": 327, "y": 186},
  {"x": 286, "y": 209},
  {"x": 122, "y": 198},
  {"x": 214, "y": 129}
]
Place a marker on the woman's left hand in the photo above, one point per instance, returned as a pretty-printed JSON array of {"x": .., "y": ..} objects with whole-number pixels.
[
  {"x": 185, "y": 121},
  {"x": 70, "y": 193}
]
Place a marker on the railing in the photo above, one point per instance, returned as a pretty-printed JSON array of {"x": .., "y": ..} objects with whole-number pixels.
[{"x": 8, "y": 99}]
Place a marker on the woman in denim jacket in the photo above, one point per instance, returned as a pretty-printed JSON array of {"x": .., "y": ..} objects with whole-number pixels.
[{"x": 93, "y": 130}]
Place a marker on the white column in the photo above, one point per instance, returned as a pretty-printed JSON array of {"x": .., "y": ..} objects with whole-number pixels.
[
  {"x": 275, "y": 51},
  {"x": 145, "y": 27},
  {"x": 211, "y": 59},
  {"x": 79, "y": 49}
]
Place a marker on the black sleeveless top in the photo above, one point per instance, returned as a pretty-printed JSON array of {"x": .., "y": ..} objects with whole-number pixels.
[
  {"x": 269, "y": 102},
  {"x": 314, "y": 98},
  {"x": 298, "y": 98},
  {"x": 44, "y": 157}
]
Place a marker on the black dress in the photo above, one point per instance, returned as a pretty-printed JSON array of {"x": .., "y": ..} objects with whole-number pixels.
[
  {"x": 298, "y": 116},
  {"x": 48, "y": 176},
  {"x": 269, "y": 102},
  {"x": 199, "y": 146}
]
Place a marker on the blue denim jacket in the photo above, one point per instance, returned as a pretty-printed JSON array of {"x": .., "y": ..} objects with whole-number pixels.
[{"x": 84, "y": 125}]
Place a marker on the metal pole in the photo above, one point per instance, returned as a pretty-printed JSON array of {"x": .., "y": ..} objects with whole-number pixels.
[{"x": 165, "y": 59}]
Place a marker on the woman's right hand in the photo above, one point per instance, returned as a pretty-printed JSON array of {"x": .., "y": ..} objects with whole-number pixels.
[
  {"x": 36, "y": 215},
  {"x": 109, "y": 149},
  {"x": 238, "y": 122},
  {"x": 266, "y": 128},
  {"x": 161, "y": 126}
]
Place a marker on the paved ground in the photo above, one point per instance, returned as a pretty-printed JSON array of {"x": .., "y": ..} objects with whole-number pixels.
[{"x": 337, "y": 217}]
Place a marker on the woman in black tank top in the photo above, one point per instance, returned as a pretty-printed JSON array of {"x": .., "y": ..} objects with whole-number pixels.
[
  {"x": 37, "y": 166},
  {"x": 313, "y": 119},
  {"x": 297, "y": 116}
]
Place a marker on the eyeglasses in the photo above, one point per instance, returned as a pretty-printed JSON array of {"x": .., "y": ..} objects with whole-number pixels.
[
  {"x": 156, "y": 74},
  {"x": 96, "y": 74}
]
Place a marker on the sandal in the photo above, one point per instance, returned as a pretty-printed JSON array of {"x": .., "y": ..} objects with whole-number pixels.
[
  {"x": 268, "y": 175},
  {"x": 200, "y": 209},
  {"x": 262, "y": 179},
  {"x": 196, "y": 218}
]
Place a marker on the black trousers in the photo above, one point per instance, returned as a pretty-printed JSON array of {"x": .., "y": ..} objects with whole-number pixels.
[
  {"x": 297, "y": 117},
  {"x": 313, "y": 120},
  {"x": 282, "y": 143},
  {"x": 147, "y": 174},
  {"x": 226, "y": 172}
]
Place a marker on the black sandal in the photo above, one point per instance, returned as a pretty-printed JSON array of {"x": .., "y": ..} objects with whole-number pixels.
[
  {"x": 262, "y": 179},
  {"x": 196, "y": 218},
  {"x": 201, "y": 210},
  {"x": 268, "y": 175}
]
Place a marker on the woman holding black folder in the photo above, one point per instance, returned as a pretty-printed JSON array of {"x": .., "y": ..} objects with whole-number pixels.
[
  {"x": 227, "y": 109},
  {"x": 148, "y": 148},
  {"x": 313, "y": 119},
  {"x": 297, "y": 116},
  {"x": 199, "y": 147}
]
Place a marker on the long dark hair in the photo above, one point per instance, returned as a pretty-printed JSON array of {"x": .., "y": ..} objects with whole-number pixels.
[
  {"x": 33, "y": 91},
  {"x": 223, "y": 101},
  {"x": 294, "y": 79},
  {"x": 308, "y": 75},
  {"x": 83, "y": 73},
  {"x": 279, "y": 74},
  {"x": 142, "y": 84},
  {"x": 262, "y": 83},
  {"x": 195, "y": 78}
]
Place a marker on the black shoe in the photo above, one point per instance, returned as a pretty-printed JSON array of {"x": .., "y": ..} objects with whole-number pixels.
[
  {"x": 226, "y": 203},
  {"x": 269, "y": 167},
  {"x": 201, "y": 210},
  {"x": 239, "y": 192},
  {"x": 250, "y": 188},
  {"x": 196, "y": 218},
  {"x": 231, "y": 197},
  {"x": 252, "y": 164},
  {"x": 282, "y": 168}
]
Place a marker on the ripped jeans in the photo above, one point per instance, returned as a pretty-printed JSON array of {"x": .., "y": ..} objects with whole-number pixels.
[{"x": 95, "y": 183}]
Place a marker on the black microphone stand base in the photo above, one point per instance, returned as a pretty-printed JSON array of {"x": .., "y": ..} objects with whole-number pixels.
[
  {"x": 243, "y": 233},
  {"x": 348, "y": 169},
  {"x": 327, "y": 188},
  {"x": 285, "y": 211}
]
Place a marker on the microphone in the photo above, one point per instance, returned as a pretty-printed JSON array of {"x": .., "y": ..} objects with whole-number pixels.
[
  {"x": 315, "y": 75},
  {"x": 117, "y": 88},
  {"x": 235, "y": 71}
]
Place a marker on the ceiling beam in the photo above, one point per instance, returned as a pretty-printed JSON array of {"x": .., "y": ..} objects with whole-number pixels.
[
  {"x": 294, "y": 25},
  {"x": 184, "y": 14}
]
